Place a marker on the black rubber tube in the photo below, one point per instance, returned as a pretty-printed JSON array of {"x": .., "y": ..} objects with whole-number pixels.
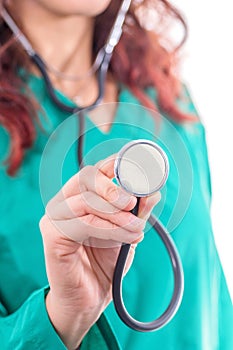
[
  {"x": 102, "y": 72},
  {"x": 178, "y": 282}
]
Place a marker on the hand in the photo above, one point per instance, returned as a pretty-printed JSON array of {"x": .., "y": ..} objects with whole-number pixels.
[{"x": 82, "y": 229}]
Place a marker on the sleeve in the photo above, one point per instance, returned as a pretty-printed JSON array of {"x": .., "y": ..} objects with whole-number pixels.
[
  {"x": 29, "y": 328},
  {"x": 196, "y": 138},
  {"x": 193, "y": 133},
  {"x": 222, "y": 303}
]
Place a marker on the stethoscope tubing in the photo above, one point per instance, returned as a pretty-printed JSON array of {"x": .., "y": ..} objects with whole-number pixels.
[
  {"x": 102, "y": 72},
  {"x": 177, "y": 268}
]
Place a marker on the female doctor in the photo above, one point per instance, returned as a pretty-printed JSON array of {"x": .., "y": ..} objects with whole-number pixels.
[{"x": 55, "y": 291}]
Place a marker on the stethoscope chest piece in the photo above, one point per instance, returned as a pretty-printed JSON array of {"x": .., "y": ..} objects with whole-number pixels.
[{"x": 141, "y": 168}]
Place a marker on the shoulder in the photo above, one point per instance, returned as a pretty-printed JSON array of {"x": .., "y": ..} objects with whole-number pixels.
[
  {"x": 185, "y": 102},
  {"x": 187, "y": 137}
]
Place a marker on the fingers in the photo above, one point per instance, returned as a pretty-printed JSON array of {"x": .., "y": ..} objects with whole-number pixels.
[
  {"x": 100, "y": 224},
  {"x": 106, "y": 166},
  {"x": 97, "y": 179},
  {"x": 90, "y": 203},
  {"x": 91, "y": 207},
  {"x": 72, "y": 187},
  {"x": 83, "y": 228},
  {"x": 94, "y": 180}
]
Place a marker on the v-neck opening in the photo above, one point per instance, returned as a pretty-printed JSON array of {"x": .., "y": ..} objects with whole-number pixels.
[{"x": 112, "y": 124}]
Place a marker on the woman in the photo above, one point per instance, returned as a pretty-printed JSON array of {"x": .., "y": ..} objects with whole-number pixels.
[{"x": 59, "y": 297}]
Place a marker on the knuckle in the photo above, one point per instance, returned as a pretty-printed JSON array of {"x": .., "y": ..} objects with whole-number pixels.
[
  {"x": 148, "y": 205},
  {"x": 42, "y": 221},
  {"x": 86, "y": 197},
  {"x": 139, "y": 239},
  {"x": 86, "y": 169},
  {"x": 84, "y": 174},
  {"x": 140, "y": 226},
  {"x": 110, "y": 193},
  {"x": 48, "y": 228},
  {"x": 155, "y": 198},
  {"x": 114, "y": 231},
  {"x": 146, "y": 208},
  {"x": 49, "y": 207},
  {"x": 44, "y": 224},
  {"x": 113, "y": 227},
  {"x": 86, "y": 201},
  {"x": 91, "y": 220}
]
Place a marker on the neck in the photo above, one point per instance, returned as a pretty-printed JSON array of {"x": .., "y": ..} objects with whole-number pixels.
[{"x": 64, "y": 42}]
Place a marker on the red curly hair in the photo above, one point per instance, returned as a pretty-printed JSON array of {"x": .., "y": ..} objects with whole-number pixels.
[{"x": 154, "y": 66}]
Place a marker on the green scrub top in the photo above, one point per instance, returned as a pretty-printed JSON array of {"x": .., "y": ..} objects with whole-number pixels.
[{"x": 204, "y": 320}]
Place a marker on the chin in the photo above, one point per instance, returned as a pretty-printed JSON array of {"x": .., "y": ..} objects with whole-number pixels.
[
  {"x": 94, "y": 8},
  {"x": 88, "y": 8}
]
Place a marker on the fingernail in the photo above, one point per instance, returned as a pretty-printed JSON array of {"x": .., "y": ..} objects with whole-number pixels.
[
  {"x": 136, "y": 221},
  {"x": 138, "y": 240},
  {"x": 124, "y": 198},
  {"x": 121, "y": 198}
]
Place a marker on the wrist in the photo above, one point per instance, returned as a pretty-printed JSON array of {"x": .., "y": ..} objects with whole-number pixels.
[{"x": 71, "y": 323}]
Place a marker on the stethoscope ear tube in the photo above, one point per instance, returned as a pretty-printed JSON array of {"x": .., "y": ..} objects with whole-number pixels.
[
  {"x": 50, "y": 89},
  {"x": 102, "y": 72},
  {"x": 178, "y": 282}
]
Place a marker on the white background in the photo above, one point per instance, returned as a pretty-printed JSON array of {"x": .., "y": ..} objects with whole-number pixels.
[{"x": 208, "y": 71}]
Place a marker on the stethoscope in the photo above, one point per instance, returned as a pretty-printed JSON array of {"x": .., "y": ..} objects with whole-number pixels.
[{"x": 141, "y": 168}]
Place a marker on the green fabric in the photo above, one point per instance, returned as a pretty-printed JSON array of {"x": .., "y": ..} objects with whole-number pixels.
[{"x": 203, "y": 322}]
